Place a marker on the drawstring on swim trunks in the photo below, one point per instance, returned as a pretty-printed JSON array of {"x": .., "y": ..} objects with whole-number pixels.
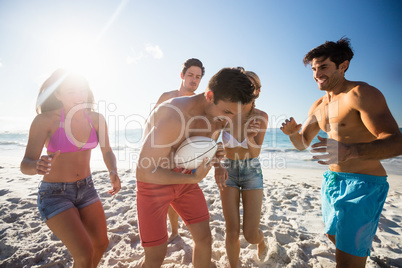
[
  {"x": 331, "y": 178},
  {"x": 329, "y": 183}
]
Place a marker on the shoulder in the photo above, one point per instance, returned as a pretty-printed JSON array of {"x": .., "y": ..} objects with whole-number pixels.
[
  {"x": 180, "y": 109},
  {"x": 169, "y": 111},
  {"x": 46, "y": 122},
  {"x": 165, "y": 125},
  {"x": 361, "y": 89},
  {"x": 261, "y": 114},
  {"x": 316, "y": 105},
  {"x": 95, "y": 115},
  {"x": 96, "y": 118},
  {"x": 363, "y": 94},
  {"x": 261, "y": 117},
  {"x": 173, "y": 114},
  {"x": 167, "y": 96},
  {"x": 47, "y": 118},
  {"x": 184, "y": 103}
]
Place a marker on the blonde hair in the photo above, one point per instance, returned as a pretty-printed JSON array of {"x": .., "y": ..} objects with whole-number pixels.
[
  {"x": 257, "y": 84},
  {"x": 254, "y": 79},
  {"x": 57, "y": 79}
]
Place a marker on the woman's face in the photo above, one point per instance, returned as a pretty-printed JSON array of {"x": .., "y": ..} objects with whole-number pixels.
[
  {"x": 247, "y": 108},
  {"x": 72, "y": 94},
  {"x": 257, "y": 92}
]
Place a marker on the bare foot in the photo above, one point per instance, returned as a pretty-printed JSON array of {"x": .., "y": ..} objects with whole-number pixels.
[
  {"x": 262, "y": 250},
  {"x": 172, "y": 238}
]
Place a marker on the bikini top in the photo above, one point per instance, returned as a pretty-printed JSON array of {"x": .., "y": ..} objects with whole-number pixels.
[
  {"x": 61, "y": 141},
  {"x": 230, "y": 142}
]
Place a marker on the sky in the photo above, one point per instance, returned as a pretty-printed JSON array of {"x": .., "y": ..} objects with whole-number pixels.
[{"x": 132, "y": 51}]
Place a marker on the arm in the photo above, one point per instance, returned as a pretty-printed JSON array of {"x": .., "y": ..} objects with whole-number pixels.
[
  {"x": 108, "y": 156},
  {"x": 302, "y": 140},
  {"x": 154, "y": 163},
  {"x": 256, "y": 129},
  {"x": 33, "y": 163},
  {"x": 221, "y": 173},
  {"x": 377, "y": 118}
]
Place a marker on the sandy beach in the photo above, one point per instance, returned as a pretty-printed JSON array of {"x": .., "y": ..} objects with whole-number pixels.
[{"x": 291, "y": 222}]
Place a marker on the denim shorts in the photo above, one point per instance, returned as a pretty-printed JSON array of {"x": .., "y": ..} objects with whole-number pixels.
[
  {"x": 244, "y": 174},
  {"x": 56, "y": 197},
  {"x": 351, "y": 208}
]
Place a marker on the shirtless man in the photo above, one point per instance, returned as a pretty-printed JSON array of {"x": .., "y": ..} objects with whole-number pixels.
[
  {"x": 160, "y": 183},
  {"x": 361, "y": 131},
  {"x": 191, "y": 75}
]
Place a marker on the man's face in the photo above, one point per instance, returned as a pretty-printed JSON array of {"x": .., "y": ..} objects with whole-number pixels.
[
  {"x": 326, "y": 74},
  {"x": 192, "y": 78},
  {"x": 224, "y": 110}
]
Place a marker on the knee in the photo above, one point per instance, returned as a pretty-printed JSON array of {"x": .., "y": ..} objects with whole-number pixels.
[
  {"x": 205, "y": 240},
  {"x": 252, "y": 236},
  {"x": 84, "y": 258},
  {"x": 232, "y": 235},
  {"x": 100, "y": 247}
]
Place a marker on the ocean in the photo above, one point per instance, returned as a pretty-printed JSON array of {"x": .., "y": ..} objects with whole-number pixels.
[{"x": 277, "y": 151}]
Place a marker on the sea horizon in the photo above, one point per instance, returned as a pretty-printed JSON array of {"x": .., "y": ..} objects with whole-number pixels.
[{"x": 277, "y": 151}]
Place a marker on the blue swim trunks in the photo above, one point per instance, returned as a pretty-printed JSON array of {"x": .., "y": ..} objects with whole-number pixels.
[{"x": 351, "y": 208}]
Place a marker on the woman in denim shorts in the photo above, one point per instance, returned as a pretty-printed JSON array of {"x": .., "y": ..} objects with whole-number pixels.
[
  {"x": 240, "y": 177},
  {"x": 67, "y": 199}
]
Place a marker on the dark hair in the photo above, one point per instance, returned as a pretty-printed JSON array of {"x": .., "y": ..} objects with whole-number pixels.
[
  {"x": 252, "y": 76},
  {"x": 58, "y": 78},
  {"x": 192, "y": 62},
  {"x": 337, "y": 52},
  {"x": 231, "y": 84}
]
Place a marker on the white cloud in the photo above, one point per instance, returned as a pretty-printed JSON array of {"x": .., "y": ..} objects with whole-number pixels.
[
  {"x": 134, "y": 59},
  {"x": 1, "y": 64},
  {"x": 150, "y": 50},
  {"x": 155, "y": 51}
]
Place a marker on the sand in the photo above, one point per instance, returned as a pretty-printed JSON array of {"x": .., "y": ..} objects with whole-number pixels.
[{"x": 291, "y": 222}]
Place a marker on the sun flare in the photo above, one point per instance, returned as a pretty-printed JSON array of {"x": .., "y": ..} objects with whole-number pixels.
[
  {"x": 80, "y": 52},
  {"x": 77, "y": 52}
]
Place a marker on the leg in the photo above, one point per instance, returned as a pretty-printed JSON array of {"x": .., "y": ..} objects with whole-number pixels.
[
  {"x": 230, "y": 197},
  {"x": 252, "y": 201},
  {"x": 174, "y": 223},
  {"x": 93, "y": 218},
  {"x": 332, "y": 238},
  {"x": 152, "y": 206},
  {"x": 202, "y": 252},
  {"x": 345, "y": 260},
  {"x": 68, "y": 227},
  {"x": 154, "y": 256},
  {"x": 359, "y": 208}
]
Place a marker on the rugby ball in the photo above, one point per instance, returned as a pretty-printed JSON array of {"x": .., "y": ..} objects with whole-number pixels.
[{"x": 193, "y": 150}]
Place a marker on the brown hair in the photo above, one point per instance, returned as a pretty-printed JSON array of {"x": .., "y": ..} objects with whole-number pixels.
[
  {"x": 52, "y": 84},
  {"x": 337, "y": 52},
  {"x": 193, "y": 62},
  {"x": 231, "y": 84}
]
